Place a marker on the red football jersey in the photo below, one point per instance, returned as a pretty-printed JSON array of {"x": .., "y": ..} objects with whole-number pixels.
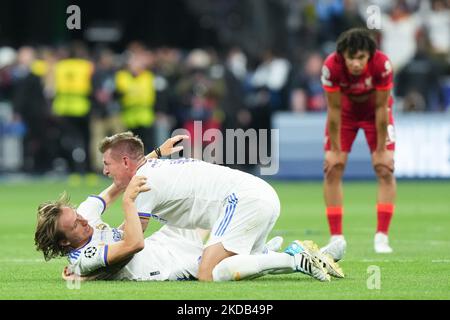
[{"x": 377, "y": 75}]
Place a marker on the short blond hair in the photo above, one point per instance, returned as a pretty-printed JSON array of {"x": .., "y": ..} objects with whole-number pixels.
[
  {"x": 124, "y": 143},
  {"x": 47, "y": 235}
]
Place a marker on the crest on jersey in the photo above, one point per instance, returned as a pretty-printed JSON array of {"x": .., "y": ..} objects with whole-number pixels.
[
  {"x": 90, "y": 252},
  {"x": 368, "y": 82}
]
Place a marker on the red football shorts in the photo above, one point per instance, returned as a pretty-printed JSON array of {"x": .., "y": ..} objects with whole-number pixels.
[{"x": 354, "y": 117}]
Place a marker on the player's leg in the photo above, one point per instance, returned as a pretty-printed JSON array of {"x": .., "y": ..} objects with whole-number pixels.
[
  {"x": 244, "y": 267},
  {"x": 387, "y": 187},
  {"x": 295, "y": 258},
  {"x": 387, "y": 190},
  {"x": 211, "y": 256},
  {"x": 332, "y": 184},
  {"x": 243, "y": 226}
]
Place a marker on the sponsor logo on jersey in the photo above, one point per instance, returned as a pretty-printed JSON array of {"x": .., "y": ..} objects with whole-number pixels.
[{"x": 357, "y": 85}]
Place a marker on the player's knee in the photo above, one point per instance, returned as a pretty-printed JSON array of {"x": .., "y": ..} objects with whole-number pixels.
[
  {"x": 334, "y": 173},
  {"x": 384, "y": 173}
]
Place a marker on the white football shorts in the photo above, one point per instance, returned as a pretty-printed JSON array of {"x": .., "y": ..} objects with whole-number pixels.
[{"x": 248, "y": 215}]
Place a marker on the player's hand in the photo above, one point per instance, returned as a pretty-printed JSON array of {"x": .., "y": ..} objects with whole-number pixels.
[
  {"x": 333, "y": 159},
  {"x": 66, "y": 274},
  {"x": 168, "y": 147},
  {"x": 137, "y": 185},
  {"x": 383, "y": 158}
]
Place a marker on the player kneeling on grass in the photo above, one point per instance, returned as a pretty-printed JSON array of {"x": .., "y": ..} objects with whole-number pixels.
[{"x": 239, "y": 209}]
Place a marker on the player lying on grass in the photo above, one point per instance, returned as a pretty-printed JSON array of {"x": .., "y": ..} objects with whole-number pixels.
[{"x": 97, "y": 252}]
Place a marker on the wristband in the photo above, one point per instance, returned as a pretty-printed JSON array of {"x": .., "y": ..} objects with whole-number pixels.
[{"x": 158, "y": 152}]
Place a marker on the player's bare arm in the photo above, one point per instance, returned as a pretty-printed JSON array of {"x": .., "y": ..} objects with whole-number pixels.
[
  {"x": 110, "y": 194},
  {"x": 133, "y": 240},
  {"x": 381, "y": 156},
  {"x": 334, "y": 156}
]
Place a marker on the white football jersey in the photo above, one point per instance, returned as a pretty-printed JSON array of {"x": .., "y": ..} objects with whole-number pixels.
[
  {"x": 169, "y": 254},
  {"x": 93, "y": 254},
  {"x": 187, "y": 193}
]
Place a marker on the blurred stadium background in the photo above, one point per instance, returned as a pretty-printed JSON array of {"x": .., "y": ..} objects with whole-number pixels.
[{"x": 230, "y": 64}]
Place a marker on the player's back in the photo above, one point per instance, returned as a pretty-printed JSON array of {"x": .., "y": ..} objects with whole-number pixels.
[{"x": 188, "y": 193}]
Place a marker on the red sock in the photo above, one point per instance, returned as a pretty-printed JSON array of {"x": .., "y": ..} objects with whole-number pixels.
[
  {"x": 384, "y": 215},
  {"x": 334, "y": 215}
]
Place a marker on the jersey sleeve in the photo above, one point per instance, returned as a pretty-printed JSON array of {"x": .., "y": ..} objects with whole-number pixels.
[
  {"x": 145, "y": 203},
  {"x": 93, "y": 257},
  {"x": 383, "y": 78},
  {"x": 91, "y": 209},
  {"x": 330, "y": 75}
]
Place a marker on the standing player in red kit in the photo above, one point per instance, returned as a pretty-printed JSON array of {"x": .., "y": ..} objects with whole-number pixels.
[{"x": 358, "y": 79}]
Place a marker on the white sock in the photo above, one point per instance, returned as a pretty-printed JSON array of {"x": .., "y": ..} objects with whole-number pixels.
[{"x": 240, "y": 267}]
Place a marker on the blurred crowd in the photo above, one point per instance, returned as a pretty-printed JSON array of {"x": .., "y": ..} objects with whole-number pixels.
[{"x": 65, "y": 99}]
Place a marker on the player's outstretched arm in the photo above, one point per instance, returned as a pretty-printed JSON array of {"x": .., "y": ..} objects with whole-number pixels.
[
  {"x": 133, "y": 238},
  {"x": 168, "y": 147},
  {"x": 110, "y": 194}
]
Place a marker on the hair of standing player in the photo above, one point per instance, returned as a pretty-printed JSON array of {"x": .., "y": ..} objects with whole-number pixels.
[{"x": 354, "y": 40}]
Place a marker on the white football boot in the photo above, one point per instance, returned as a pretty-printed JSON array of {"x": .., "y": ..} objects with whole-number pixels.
[
  {"x": 381, "y": 243},
  {"x": 306, "y": 263},
  {"x": 335, "y": 248},
  {"x": 274, "y": 244}
]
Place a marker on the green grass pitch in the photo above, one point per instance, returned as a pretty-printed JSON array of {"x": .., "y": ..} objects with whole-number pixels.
[{"x": 418, "y": 268}]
